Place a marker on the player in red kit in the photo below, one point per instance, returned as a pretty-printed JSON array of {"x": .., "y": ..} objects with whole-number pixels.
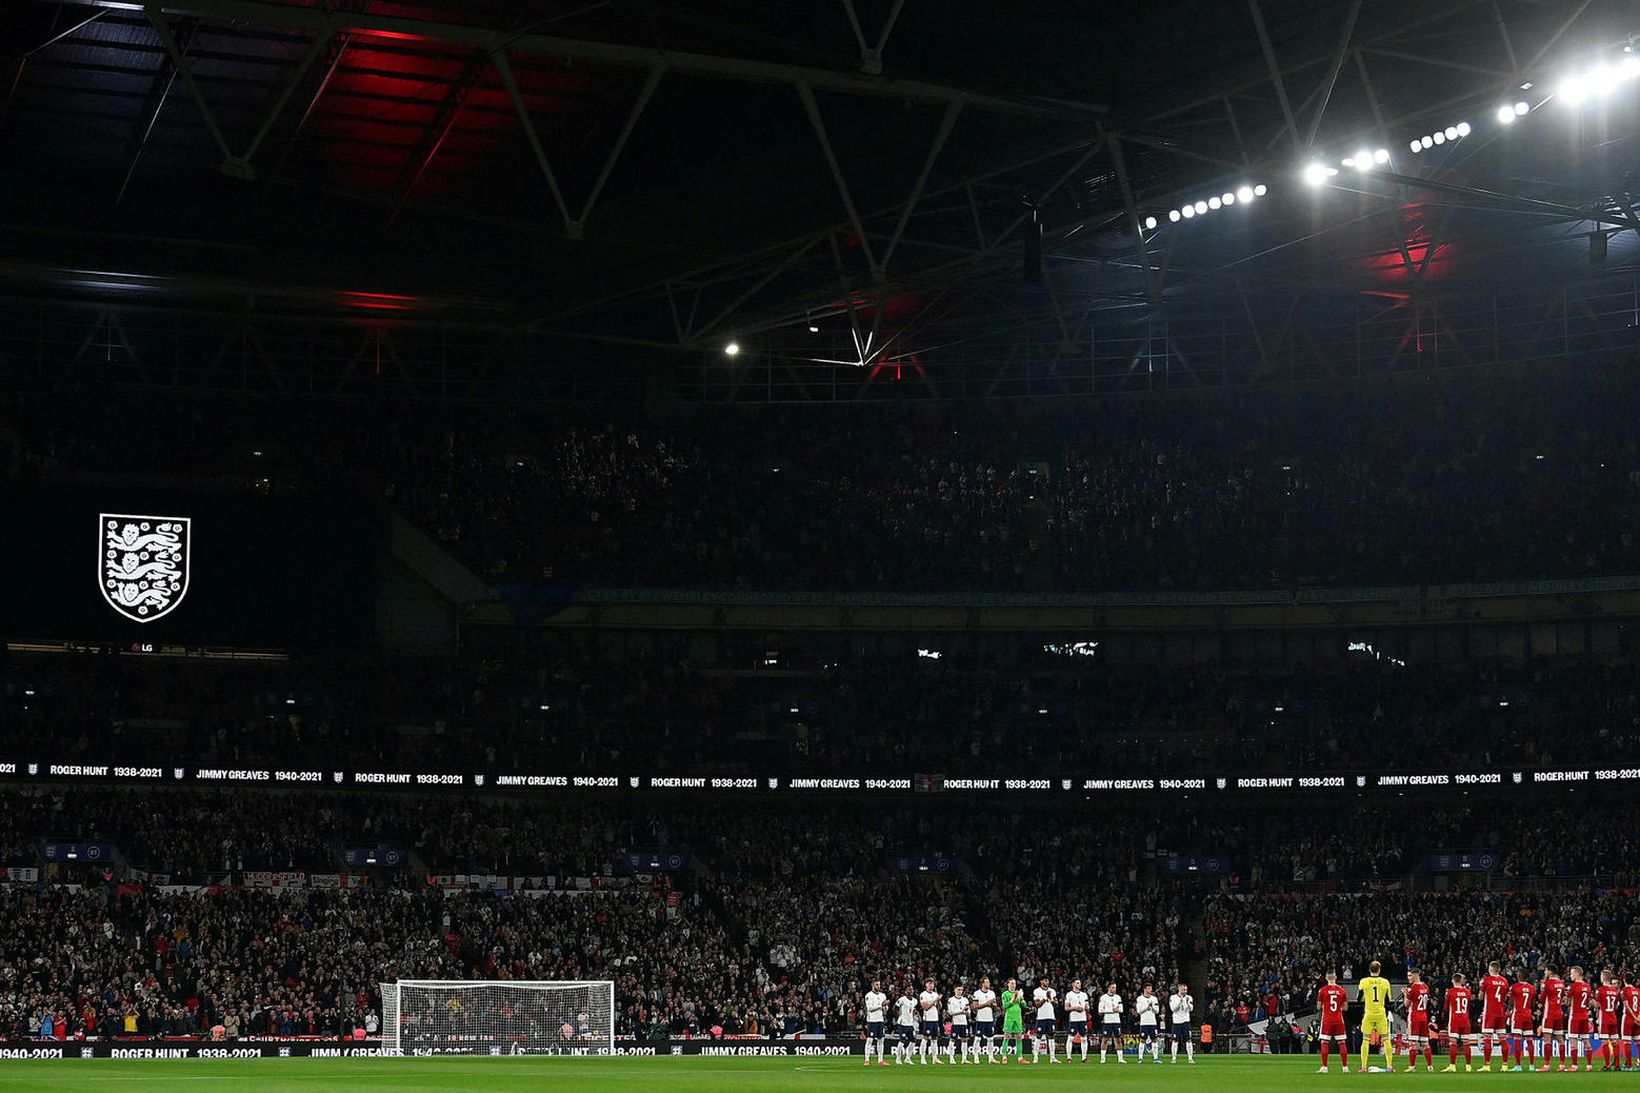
[
  {"x": 1630, "y": 1044},
  {"x": 1521, "y": 1027},
  {"x": 1607, "y": 999},
  {"x": 1333, "y": 1000},
  {"x": 1417, "y": 999},
  {"x": 1578, "y": 996},
  {"x": 1552, "y": 991},
  {"x": 1494, "y": 1012},
  {"x": 1458, "y": 1033}
]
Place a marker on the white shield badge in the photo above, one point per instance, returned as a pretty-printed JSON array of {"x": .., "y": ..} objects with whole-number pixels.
[{"x": 142, "y": 563}]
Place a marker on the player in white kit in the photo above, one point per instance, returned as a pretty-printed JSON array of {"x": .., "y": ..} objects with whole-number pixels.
[
  {"x": 1147, "y": 1007},
  {"x": 1076, "y": 1019},
  {"x": 905, "y": 1026},
  {"x": 876, "y": 1021},
  {"x": 1042, "y": 998},
  {"x": 1180, "y": 1005},
  {"x": 956, "y": 1008},
  {"x": 1110, "y": 1023},
  {"x": 929, "y": 1002},
  {"x": 985, "y": 1015}
]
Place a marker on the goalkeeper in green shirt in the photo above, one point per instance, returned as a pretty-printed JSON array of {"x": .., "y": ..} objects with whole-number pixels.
[{"x": 1013, "y": 1020}]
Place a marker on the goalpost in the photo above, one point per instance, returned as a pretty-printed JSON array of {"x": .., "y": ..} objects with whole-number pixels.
[{"x": 498, "y": 1017}]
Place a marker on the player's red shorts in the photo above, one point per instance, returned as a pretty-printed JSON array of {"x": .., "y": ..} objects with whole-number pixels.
[
  {"x": 1580, "y": 1024},
  {"x": 1458, "y": 1026},
  {"x": 1608, "y": 1024},
  {"x": 1554, "y": 1021},
  {"x": 1521, "y": 1024},
  {"x": 1631, "y": 1028},
  {"x": 1333, "y": 1026},
  {"x": 1419, "y": 1030},
  {"x": 1492, "y": 1021}
]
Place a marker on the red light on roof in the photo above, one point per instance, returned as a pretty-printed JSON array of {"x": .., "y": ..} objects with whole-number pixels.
[
  {"x": 379, "y": 301},
  {"x": 394, "y": 34}
]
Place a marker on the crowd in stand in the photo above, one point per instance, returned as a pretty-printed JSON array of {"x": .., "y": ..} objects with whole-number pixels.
[
  {"x": 1448, "y": 479},
  {"x": 612, "y": 715},
  {"x": 1280, "y": 947},
  {"x": 824, "y": 937},
  {"x": 1096, "y": 932},
  {"x": 783, "y": 915}
]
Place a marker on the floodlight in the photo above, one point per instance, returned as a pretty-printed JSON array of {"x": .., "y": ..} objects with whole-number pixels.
[
  {"x": 1381, "y": 156},
  {"x": 1521, "y": 109},
  {"x": 1188, "y": 211},
  {"x": 1416, "y": 146},
  {"x": 1150, "y": 223},
  {"x": 1363, "y": 160},
  {"x": 1213, "y": 203},
  {"x": 1506, "y": 115},
  {"x": 732, "y": 348},
  {"x": 1315, "y": 174},
  {"x": 1440, "y": 138},
  {"x": 1463, "y": 129},
  {"x": 1173, "y": 216},
  {"x": 1428, "y": 141},
  {"x": 1574, "y": 91},
  {"x": 1260, "y": 190},
  {"x": 1201, "y": 208},
  {"x": 1452, "y": 132},
  {"x": 1245, "y": 193},
  {"x": 1227, "y": 198}
]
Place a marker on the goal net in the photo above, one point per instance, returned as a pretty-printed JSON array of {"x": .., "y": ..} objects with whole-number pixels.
[{"x": 489, "y": 1017}]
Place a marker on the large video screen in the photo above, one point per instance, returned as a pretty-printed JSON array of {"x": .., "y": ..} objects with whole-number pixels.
[{"x": 125, "y": 565}]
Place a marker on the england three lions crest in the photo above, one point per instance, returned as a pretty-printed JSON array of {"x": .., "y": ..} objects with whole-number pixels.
[{"x": 143, "y": 564}]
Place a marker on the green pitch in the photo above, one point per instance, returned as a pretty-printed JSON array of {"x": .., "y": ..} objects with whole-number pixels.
[{"x": 1225, "y": 1074}]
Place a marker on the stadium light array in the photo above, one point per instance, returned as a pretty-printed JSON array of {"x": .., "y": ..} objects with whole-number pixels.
[
  {"x": 1317, "y": 173},
  {"x": 1192, "y": 209},
  {"x": 1365, "y": 160},
  {"x": 1507, "y": 113},
  {"x": 1452, "y": 133},
  {"x": 1599, "y": 81}
]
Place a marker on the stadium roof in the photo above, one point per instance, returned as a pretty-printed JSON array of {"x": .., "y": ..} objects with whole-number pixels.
[{"x": 674, "y": 176}]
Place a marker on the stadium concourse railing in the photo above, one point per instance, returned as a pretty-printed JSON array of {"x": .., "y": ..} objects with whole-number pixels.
[{"x": 1381, "y": 605}]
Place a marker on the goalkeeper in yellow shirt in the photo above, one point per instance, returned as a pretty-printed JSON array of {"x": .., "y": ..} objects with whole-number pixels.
[{"x": 1375, "y": 1017}]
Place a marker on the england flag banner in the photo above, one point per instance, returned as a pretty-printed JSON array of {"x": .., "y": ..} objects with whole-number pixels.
[{"x": 143, "y": 563}]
